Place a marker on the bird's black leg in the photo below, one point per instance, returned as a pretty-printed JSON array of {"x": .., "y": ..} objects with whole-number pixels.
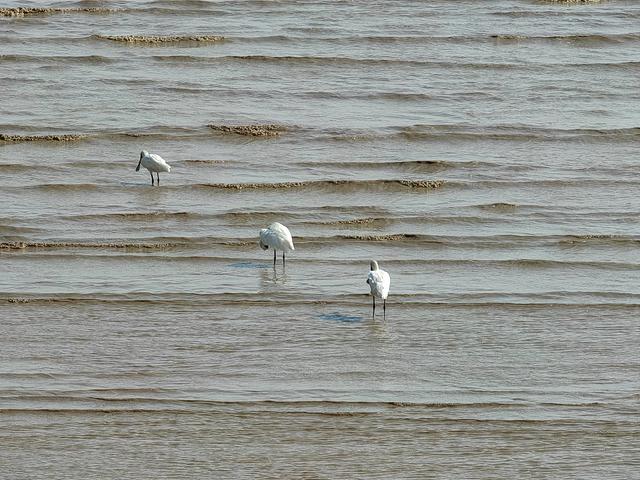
[
  {"x": 374, "y": 306},
  {"x": 158, "y": 175},
  {"x": 274, "y": 258},
  {"x": 283, "y": 258},
  {"x": 151, "y": 173},
  {"x": 384, "y": 309}
]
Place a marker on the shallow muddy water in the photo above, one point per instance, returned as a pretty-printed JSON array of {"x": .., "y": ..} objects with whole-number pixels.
[{"x": 485, "y": 153}]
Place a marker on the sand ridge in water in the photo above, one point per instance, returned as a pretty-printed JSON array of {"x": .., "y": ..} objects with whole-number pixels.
[
  {"x": 106, "y": 245},
  {"x": 394, "y": 237},
  {"x": 572, "y": 1},
  {"x": 425, "y": 184},
  {"x": 41, "y": 138},
  {"x": 160, "y": 39},
  {"x": 357, "y": 221},
  {"x": 25, "y": 11},
  {"x": 268, "y": 130}
]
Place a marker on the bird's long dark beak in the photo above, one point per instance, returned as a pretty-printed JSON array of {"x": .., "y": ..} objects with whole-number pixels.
[{"x": 138, "y": 167}]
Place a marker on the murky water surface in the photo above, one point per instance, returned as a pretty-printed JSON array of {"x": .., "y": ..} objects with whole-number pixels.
[{"x": 485, "y": 153}]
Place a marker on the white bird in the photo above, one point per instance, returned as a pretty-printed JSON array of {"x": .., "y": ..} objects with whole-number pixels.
[
  {"x": 153, "y": 163},
  {"x": 379, "y": 282},
  {"x": 278, "y": 237}
]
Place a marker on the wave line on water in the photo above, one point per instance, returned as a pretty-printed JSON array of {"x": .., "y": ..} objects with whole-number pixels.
[
  {"x": 408, "y": 239},
  {"x": 545, "y": 300},
  {"x": 415, "y": 133}
]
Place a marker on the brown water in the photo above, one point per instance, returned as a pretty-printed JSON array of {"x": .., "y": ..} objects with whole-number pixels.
[{"x": 485, "y": 153}]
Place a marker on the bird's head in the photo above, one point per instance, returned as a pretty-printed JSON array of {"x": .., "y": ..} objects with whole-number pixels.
[
  {"x": 373, "y": 265},
  {"x": 263, "y": 246}
]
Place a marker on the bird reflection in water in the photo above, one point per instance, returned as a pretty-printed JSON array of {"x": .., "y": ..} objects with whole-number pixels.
[{"x": 271, "y": 278}]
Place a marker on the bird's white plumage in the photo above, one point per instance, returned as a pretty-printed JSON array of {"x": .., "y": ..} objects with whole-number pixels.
[
  {"x": 276, "y": 236},
  {"x": 154, "y": 163},
  {"x": 379, "y": 281}
]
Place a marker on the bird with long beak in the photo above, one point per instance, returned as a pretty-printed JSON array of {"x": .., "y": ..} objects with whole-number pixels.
[
  {"x": 379, "y": 282},
  {"x": 153, "y": 163}
]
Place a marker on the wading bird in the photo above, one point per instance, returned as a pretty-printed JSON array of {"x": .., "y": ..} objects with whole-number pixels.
[
  {"x": 379, "y": 282},
  {"x": 278, "y": 237},
  {"x": 153, "y": 163}
]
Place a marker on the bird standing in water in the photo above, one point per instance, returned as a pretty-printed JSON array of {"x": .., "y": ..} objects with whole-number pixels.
[
  {"x": 153, "y": 163},
  {"x": 278, "y": 237},
  {"x": 379, "y": 282}
]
